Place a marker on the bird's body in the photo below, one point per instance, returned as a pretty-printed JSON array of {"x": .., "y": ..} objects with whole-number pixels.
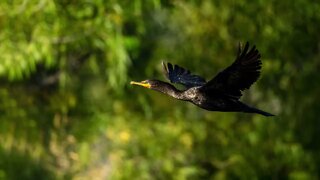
[{"x": 222, "y": 93}]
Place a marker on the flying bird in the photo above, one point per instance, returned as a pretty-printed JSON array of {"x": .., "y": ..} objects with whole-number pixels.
[{"x": 222, "y": 92}]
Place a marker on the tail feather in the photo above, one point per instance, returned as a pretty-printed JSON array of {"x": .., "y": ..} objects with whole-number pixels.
[{"x": 258, "y": 111}]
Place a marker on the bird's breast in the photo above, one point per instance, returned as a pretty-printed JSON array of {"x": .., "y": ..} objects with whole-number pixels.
[
  {"x": 195, "y": 96},
  {"x": 192, "y": 93}
]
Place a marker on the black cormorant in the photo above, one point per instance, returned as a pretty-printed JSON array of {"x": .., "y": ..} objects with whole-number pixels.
[{"x": 221, "y": 93}]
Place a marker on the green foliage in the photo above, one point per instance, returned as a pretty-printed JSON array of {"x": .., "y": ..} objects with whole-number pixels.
[{"x": 68, "y": 112}]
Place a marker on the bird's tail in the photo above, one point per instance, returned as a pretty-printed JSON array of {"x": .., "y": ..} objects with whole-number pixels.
[{"x": 258, "y": 111}]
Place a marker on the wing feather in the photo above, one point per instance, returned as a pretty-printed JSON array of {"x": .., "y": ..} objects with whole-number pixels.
[
  {"x": 177, "y": 74},
  {"x": 240, "y": 75}
]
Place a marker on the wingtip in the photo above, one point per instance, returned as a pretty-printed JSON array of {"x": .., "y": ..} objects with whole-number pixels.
[
  {"x": 253, "y": 48},
  {"x": 164, "y": 66},
  {"x": 247, "y": 45},
  {"x": 163, "y": 62},
  {"x": 243, "y": 51},
  {"x": 239, "y": 48}
]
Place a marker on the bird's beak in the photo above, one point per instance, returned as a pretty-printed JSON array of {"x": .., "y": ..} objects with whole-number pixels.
[{"x": 142, "y": 83}]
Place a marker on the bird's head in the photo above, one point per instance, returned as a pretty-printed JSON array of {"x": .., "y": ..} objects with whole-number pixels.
[
  {"x": 160, "y": 86},
  {"x": 150, "y": 84}
]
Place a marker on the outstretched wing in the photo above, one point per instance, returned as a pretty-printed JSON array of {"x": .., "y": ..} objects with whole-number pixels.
[
  {"x": 177, "y": 74},
  {"x": 239, "y": 76}
]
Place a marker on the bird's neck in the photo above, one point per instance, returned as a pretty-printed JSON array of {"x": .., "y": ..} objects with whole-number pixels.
[{"x": 169, "y": 90}]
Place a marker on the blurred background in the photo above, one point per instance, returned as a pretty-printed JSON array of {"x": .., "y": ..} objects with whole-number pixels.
[{"x": 67, "y": 110}]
